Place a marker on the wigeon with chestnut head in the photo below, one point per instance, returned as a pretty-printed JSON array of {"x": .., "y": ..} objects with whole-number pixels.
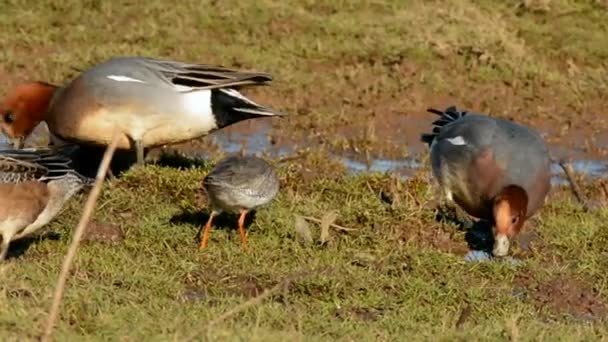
[
  {"x": 152, "y": 102},
  {"x": 34, "y": 186},
  {"x": 494, "y": 169}
]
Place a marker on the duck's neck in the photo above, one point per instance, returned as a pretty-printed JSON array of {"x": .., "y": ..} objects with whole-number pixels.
[{"x": 44, "y": 95}]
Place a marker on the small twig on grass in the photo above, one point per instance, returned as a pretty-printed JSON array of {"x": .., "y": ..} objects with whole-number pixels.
[
  {"x": 573, "y": 185},
  {"x": 251, "y": 302},
  {"x": 464, "y": 315},
  {"x": 338, "y": 227},
  {"x": 605, "y": 190},
  {"x": 570, "y": 13},
  {"x": 71, "y": 254},
  {"x": 293, "y": 157}
]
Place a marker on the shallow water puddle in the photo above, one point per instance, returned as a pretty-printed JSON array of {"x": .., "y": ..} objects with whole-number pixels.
[
  {"x": 483, "y": 256},
  {"x": 404, "y": 166},
  {"x": 258, "y": 141}
]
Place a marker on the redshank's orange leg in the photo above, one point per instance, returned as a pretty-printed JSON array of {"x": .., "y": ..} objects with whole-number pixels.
[
  {"x": 242, "y": 228},
  {"x": 207, "y": 230}
]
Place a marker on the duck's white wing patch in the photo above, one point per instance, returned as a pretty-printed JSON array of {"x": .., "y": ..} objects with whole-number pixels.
[
  {"x": 236, "y": 94},
  {"x": 457, "y": 141},
  {"x": 121, "y": 78}
]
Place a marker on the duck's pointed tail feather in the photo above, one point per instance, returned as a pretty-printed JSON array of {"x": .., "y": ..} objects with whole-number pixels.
[
  {"x": 231, "y": 102},
  {"x": 447, "y": 116}
]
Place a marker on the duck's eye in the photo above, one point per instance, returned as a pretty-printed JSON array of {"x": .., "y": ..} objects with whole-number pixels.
[{"x": 9, "y": 117}]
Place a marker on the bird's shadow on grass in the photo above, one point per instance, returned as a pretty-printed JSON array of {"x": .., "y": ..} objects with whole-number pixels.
[
  {"x": 87, "y": 158},
  {"x": 478, "y": 234},
  {"x": 222, "y": 221},
  {"x": 178, "y": 161},
  {"x": 19, "y": 247}
]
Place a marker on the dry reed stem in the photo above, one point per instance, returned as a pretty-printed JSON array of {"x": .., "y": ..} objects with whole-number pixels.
[
  {"x": 574, "y": 185},
  {"x": 71, "y": 254},
  {"x": 338, "y": 227}
]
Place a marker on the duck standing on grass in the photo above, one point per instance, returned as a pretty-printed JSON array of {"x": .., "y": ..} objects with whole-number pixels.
[
  {"x": 152, "y": 102},
  {"x": 496, "y": 170},
  {"x": 34, "y": 186},
  {"x": 239, "y": 185}
]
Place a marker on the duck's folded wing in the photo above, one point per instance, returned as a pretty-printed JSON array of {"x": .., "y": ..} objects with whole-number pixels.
[
  {"x": 42, "y": 164},
  {"x": 203, "y": 76},
  {"x": 15, "y": 171}
]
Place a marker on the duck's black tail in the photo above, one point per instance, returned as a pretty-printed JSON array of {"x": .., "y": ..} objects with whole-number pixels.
[
  {"x": 451, "y": 114},
  {"x": 230, "y": 106}
]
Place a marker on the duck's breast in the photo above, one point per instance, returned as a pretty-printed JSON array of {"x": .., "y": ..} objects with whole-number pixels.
[{"x": 22, "y": 201}]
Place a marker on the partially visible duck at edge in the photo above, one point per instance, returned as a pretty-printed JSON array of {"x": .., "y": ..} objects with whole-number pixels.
[
  {"x": 34, "y": 186},
  {"x": 152, "y": 102},
  {"x": 494, "y": 169}
]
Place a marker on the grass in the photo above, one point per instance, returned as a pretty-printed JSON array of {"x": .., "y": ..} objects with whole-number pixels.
[
  {"x": 400, "y": 273},
  {"x": 357, "y": 75}
]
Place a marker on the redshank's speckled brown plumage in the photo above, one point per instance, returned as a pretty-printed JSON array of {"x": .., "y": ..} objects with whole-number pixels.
[{"x": 239, "y": 184}]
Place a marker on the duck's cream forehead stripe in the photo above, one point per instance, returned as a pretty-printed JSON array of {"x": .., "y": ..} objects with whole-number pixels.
[
  {"x": 120, "y": 78},
  {"x": 458, "y": 141}
]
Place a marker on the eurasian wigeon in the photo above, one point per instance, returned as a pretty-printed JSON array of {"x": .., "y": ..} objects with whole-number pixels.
[
  {"x": 34, "y": 186},
  {"x": 238, "y": 185},
  {"x": 153, "y": 102},
  {"x": 494, "y": 169}
]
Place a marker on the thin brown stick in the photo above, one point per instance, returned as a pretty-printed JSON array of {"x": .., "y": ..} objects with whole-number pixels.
[
  {"x": 576, "y": 191},
  {"x": 464, "y": 316},
  {"x": 250, "y": 303},
  {"x": 570, "y": 13},
  {"x": 293, "y": 157},
  {"x": 71, "y": 254},
  {"x": 605, "y": 190},
  {"x": 338, "y": 227}
]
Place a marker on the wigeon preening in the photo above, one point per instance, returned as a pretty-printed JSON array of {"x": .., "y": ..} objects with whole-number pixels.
[
  {"x": 238, "y": 185},
  {"x": 34, "y": 186},
  {"x": 496, "y": 170},
  {"x": 152, "y": 102}
]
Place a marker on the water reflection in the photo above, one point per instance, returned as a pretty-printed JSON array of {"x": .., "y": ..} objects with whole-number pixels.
[{"x": 258, "y": 142}]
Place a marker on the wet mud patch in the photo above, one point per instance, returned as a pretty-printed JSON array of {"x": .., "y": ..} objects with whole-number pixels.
[
  {"x": 104, "y": 233},
  {"x": 359, "y": 314},
  {"x": 434, "y": 236},
  {"x": 213, "y": 284},
  {"x": 562, "y": 296}
]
